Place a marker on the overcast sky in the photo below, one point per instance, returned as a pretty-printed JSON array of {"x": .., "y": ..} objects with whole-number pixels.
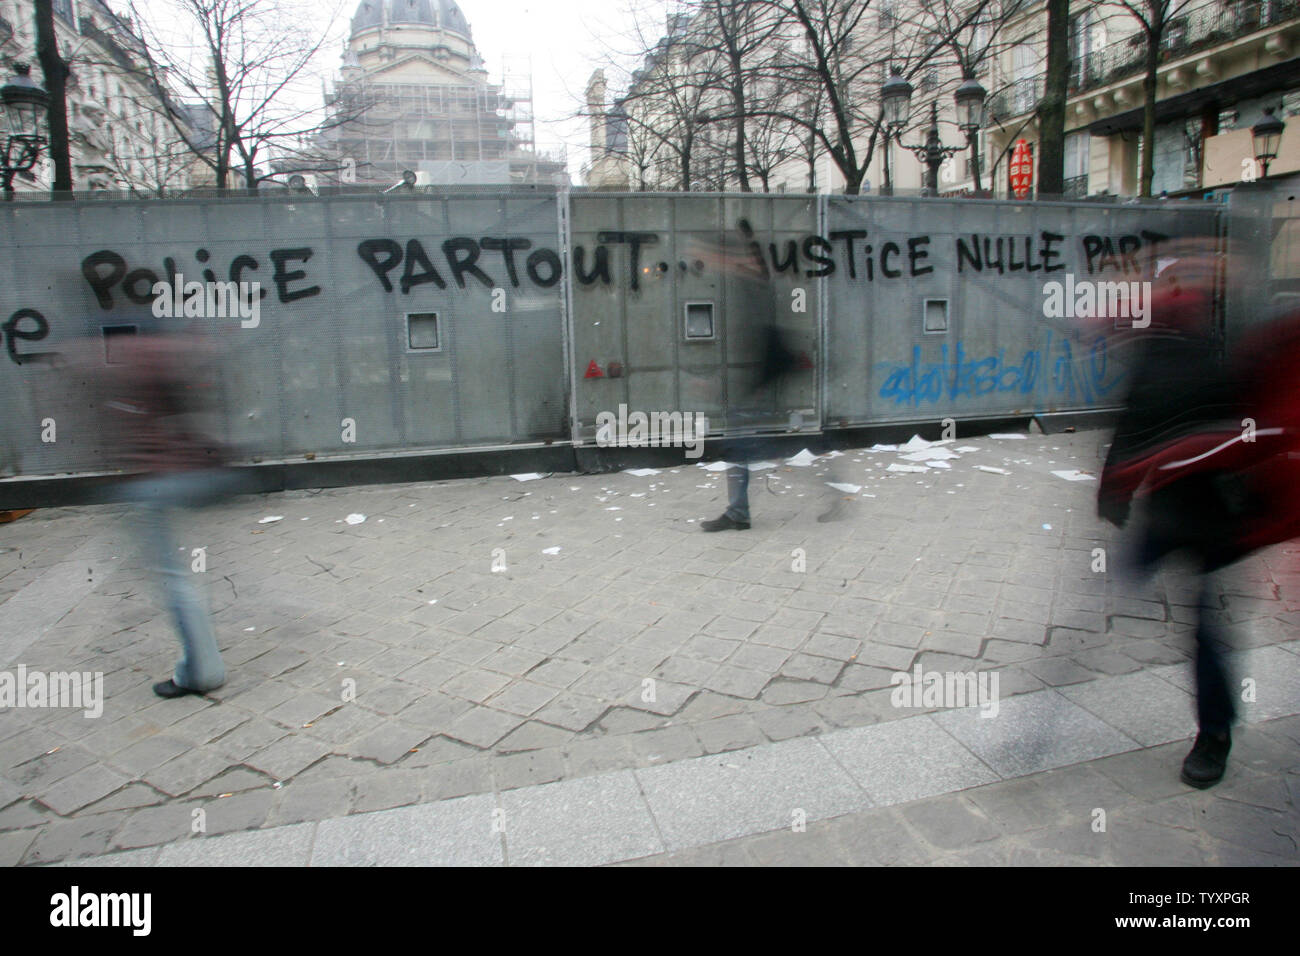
[{"x": 559, "y": 41}]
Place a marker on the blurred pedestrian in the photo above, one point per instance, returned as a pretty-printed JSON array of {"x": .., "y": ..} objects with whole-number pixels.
[
  {"x": 1206, "y": 443},
  {"x": 158, "y": 396}
]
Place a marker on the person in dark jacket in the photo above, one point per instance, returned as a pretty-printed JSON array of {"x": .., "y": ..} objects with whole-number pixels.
[
  {"x": 1206, "y": 441},
  {"x": 158, "y": 401},
  {"x": 752, "y": 329}
]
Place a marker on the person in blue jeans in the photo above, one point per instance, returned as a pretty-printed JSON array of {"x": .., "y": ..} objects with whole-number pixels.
[{"x": 157, "y": 393}]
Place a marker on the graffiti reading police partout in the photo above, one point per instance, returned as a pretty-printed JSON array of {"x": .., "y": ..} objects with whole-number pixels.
[{"x": 625, "y": 261}]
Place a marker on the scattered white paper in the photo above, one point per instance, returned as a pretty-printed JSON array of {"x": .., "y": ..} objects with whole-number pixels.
[
  {"x": 1073, "y": 474},
  {"x": 641, "y": 472},
  {"x": 355, "y": 519},
  {"x": 845, "y": 487},
  {"x": 835, "y": 454},
  {"x": 530, "y": 476},
  {"x": 613, "y": 508},
  {"x": 993, "y": 471},
  {"x": 883, "y": 448},
  {"x": 267, "y": 520},
  {"x": 915, "y": 443},
  {"x": 802, "y": 460},
  {"x": 930, "y": 454},
  {"x": 939, "y": 464},
  {"x": 715, "y": 466},
  {"x": 1007, "y": 436},
  {"x": 915, "y": 468},
  {"x": 550, "y": 550},
  {"x": 965, "y": 449},
  {"x": 762, "y": 465}
]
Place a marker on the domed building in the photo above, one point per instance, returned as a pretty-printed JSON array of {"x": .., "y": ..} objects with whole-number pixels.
[{"x": 413, "y": 94}]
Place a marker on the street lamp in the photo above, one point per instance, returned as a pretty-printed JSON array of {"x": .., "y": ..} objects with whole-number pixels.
[
  {"x": 932, "y": 152},
  {"x": 1267, "y": 135},
  {"x": 970, "y": 117},
  {"x": 25, "y": 105},
  {"x": 895, "y": 96}
]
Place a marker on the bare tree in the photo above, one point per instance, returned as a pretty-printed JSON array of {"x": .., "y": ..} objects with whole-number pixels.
[
  {"x": 1051, "y": 111},
  {"x": 248, "y": 70},
  {"x": 56, "y": 78},
  {"x": 1155, "y": 18}
]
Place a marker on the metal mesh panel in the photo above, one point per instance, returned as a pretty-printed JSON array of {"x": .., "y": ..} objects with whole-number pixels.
[
  {"x": 639, "y": 321},
  {"x": 1001, "y": 354},
  {"x": 329, "y": 369}
]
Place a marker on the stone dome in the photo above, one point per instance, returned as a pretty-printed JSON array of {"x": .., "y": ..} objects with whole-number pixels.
[{"x": 434, "y": 13}]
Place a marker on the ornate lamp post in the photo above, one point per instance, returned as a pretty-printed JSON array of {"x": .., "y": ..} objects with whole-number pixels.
[
  {"x": 1267, "y": 136},
  {"x": 25, "y": 104},
  {"x": 970, "y": 118},
  {"x": 895, "y": 96},
  {"x": 932, "y": 152}
]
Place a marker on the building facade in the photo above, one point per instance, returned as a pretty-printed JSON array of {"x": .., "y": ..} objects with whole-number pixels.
[
  {"x": 120, "y": 135},
  {"x": 414, "y": 94},
  {"x": 1221, "y": 64}
]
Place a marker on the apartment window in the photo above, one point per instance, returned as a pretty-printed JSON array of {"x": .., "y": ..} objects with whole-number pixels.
[{"x": 1290, "y": 103}]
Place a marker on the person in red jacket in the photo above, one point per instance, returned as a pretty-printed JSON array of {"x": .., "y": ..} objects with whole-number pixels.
[{"x": 1206, "y": 442}]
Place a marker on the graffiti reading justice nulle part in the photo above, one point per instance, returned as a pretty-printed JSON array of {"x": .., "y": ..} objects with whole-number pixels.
[{"x": 622, "y": 259}]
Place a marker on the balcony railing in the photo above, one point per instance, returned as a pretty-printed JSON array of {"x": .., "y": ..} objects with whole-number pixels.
[{"x": 1200, "y": 30}]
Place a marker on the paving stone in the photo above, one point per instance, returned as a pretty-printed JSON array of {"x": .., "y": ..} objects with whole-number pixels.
[
  {"x": 79, "y": 837},
  {"x": 14, "y": 844},
  {"x": 876, "y": 838},
  {"x": 457, "y": 779},
  {"x": 280, "y": 846},
  {"x": 395, "y": 788},
  {"x": 387, "y": 743},
  {"x": 885, "y": 759},
  {"x": 81, "y": 789},
  {"x": 805, "y": 667},
  {"x": 181, "y": 775},
  {"x": 241, "y": 811},
  {"x": 746, "y": 791},
  {"x": 1033, "y": 732},
  {"x": 664, "y": 745},
  {"x": 950, "y": 822},
  {"x": 482, "y": 727},
  {"x": 571, "y": 711},
  {"x": 288, "y": 757},
  {"x": 301, "y": 800},
  {"x": 526, "y": 769},
  {"x": 729, "y": 733},
  {"x": 449, "y": 833}
]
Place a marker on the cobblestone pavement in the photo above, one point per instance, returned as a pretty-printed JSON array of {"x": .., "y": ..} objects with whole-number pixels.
[{"x": 442, "y": 648}]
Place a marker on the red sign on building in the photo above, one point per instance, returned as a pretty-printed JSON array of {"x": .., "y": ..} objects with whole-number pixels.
[{"x": 1022, "y": 169}]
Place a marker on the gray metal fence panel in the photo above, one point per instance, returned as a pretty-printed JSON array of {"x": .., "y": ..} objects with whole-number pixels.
[
  {"x": 330, "y": 369},
  {"x": 988, "y": 265},
  {"x": 642, "y": 263}
]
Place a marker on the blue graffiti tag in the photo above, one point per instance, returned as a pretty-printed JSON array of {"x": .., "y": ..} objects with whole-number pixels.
[{"x": 956, "y": 376}]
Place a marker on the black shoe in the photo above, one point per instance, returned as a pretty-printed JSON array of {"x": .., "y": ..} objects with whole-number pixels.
[
  {"x": 1204, "y": 766},
  {"x": 724, "y": 524},
  {"x": 169, "y": 689}
]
